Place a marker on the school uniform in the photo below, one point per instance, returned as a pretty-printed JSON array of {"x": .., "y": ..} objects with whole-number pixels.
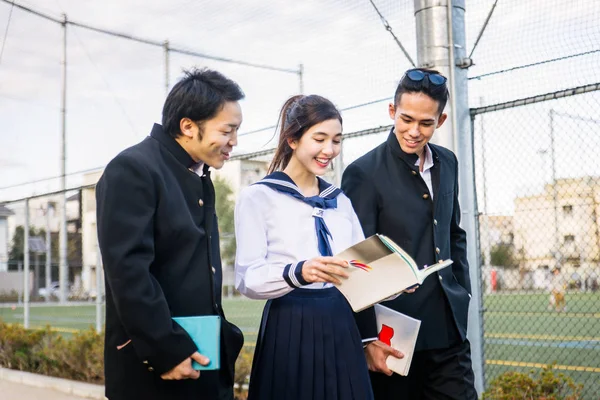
[
  {"x": 159, "y": 240},
  {"x": 419, "y": 210},
  {"x": 309, "y": 346}
]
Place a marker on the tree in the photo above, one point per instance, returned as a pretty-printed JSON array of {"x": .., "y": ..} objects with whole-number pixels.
[
  {"x": 502, "y": 255},
  {"x": 18, "y": 239},
  {"x": 73, "y": 245},
  {"x": 225, "y": 206}
]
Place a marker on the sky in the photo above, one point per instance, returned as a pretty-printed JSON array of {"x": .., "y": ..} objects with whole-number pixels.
[{"x": 115, "y": 87}]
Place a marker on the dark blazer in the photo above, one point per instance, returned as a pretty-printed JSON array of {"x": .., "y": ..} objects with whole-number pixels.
[
  {"x": 390, "y": 197},
  {"x": 159, "y": 241}
]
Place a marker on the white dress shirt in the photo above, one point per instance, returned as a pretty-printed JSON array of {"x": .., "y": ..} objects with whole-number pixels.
[
  {"x": 427, "y": 165},
  {"x": 274, "y": 229},
  {"x": 198, "y": 169}
]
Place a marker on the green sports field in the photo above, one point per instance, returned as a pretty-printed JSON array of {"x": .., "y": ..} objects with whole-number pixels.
[
  {"x": 68, "y": 319},
  {"x": 521, "y": 333}
]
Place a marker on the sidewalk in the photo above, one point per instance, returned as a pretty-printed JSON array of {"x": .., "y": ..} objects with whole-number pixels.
[
  {"x": 20, "y": 385},
  {"x": 20, "y": 391}
]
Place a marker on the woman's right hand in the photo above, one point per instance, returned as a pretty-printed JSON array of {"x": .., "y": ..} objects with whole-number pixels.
[{"x": 325, "y": 269}]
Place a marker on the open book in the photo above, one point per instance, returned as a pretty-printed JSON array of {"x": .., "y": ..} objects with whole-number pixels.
[
  {"x": 379, "y": 269},
  {"x": 400, "y": 332}
]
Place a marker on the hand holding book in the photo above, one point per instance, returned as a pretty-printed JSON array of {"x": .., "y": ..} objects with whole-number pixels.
[
  {"x": 185, "y": 370},
  {"x": 205, "y": 332},
  {"x": 400, "y": 332},
  {"x": 325, "y": 269}
]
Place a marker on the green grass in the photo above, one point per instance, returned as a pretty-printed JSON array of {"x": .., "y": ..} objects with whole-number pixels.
[
  {"x": 65, "y": 318},
  {"x": 519, "y": 331},
  {"x": 244, "y": 313}
]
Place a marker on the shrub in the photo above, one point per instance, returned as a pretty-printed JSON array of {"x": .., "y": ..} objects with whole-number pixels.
[
  {"x": 79, "y": 357},
  {"x": 9, "y": 297},
  {"x": 42, "y": 351},
  {"x": 243, "y": 365},
  {"x": 18, "y": 346},
  {"x": 535, "y": 385}
]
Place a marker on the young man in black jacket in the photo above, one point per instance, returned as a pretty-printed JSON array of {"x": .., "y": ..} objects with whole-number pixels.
[
  {"x": 407, "y": 189},
  {"x": 159, "y": 240}
]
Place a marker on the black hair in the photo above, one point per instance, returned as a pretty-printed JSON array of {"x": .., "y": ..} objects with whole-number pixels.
[
  {"x": 199, "y": 96},
  {"x": 298, "y": 114},
  {"x": 438, "y": 93}
]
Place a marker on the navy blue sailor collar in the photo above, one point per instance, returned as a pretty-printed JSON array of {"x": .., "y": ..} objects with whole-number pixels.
[
  {"x": 326, "y": 199},
  {"x": 284, "y": 183}
]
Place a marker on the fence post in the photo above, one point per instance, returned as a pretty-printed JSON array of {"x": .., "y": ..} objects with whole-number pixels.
[
  {"x": 338, "y": 167},
  {"x": 441, "y": 44},
  {"x": 301, "y": 78},
  {"x": 48, "y": 277},
  {"x": 19, "y": 294},
  {"x": 26, "y": 267},
  {"x": 167, "y": 66},
  {"x": 98, "y": 289},
  {"x": 63, "y": 272}
]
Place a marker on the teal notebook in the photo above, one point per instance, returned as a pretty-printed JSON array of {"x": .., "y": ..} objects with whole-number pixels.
[{"x": 205, "y": 331}]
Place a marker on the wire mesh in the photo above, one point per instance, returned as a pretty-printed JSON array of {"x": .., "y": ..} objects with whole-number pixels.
[{"x": 536, "y": 165}]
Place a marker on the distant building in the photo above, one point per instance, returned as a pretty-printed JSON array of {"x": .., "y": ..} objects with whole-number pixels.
[
  {"x": 89, "y": 236},
  {"x": 560, "y": 227},
  {"x": 495, "y": 230},
  {"x": 38, "y": 219},
  {"x": 496, "y": 242},
  {"x": 242, "y": 173},
  {"x": 37, "y": 213},
  {"x": 5, "y": 238}
]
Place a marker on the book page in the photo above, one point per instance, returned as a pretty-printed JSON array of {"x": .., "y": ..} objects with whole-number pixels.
[
  {"x": 375, "y": 274},
  {"x": 394, "y": 247},
  {"x": 425, "y": 272}
]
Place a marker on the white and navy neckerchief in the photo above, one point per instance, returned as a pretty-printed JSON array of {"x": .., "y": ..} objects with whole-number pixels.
[{"x": 282, "y": 183}]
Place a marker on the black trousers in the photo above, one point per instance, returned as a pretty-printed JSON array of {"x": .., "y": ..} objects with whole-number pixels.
[
  {"x": 215, "y": 387},
  {"x": 434, "y": 375}
]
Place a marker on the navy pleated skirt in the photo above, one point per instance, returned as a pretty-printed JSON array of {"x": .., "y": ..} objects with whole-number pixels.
[{"x": 309, "y": 348}]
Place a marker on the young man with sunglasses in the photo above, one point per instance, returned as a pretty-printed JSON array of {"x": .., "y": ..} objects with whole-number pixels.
[{"x": 407, "y": 189}]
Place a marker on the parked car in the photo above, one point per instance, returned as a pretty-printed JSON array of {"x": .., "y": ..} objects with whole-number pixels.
[{"x": 53, "y": 290}]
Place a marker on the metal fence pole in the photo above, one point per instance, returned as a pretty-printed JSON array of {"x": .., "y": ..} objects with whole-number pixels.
[
  {"x": 48, "y": 277},
  {"x": 338, "y": 166},
  {"x": 167, "y": 67},
  {"x": 557, "y": 254},
  {"x": 441, "y": 44},
  {"x": 485, "y": 217},
  {"x": 26, "y": 267},
  {"x": 301, "y": 78},
  {"x": 99, "y": 316},
  {"x": 63, "y": 267}
]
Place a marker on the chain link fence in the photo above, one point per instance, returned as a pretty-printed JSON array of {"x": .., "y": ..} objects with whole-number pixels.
[
  {"x": 534, "y": 95},
  {"x": 536, "y": 140}
]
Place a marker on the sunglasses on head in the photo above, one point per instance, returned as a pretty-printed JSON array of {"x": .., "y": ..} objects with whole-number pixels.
[{"x": 416, "y": 75}]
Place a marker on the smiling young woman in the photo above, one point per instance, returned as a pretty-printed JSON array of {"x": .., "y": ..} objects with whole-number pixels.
[{"x": 288, "y": 226}]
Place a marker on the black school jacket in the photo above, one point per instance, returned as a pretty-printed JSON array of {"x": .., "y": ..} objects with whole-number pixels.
[
  {"x": 390, "y": 197},
  {"x": 159, "y": 241}
]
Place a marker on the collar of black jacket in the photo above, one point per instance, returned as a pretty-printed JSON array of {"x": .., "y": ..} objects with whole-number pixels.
[
  {"x": 174, "y": 148},
  {"x": 409, "y": 159}
]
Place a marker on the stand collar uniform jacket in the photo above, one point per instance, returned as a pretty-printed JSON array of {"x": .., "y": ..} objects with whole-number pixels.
[
  {"x": 390, "y": 197},
  {"x": 158, "y": 236}
]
